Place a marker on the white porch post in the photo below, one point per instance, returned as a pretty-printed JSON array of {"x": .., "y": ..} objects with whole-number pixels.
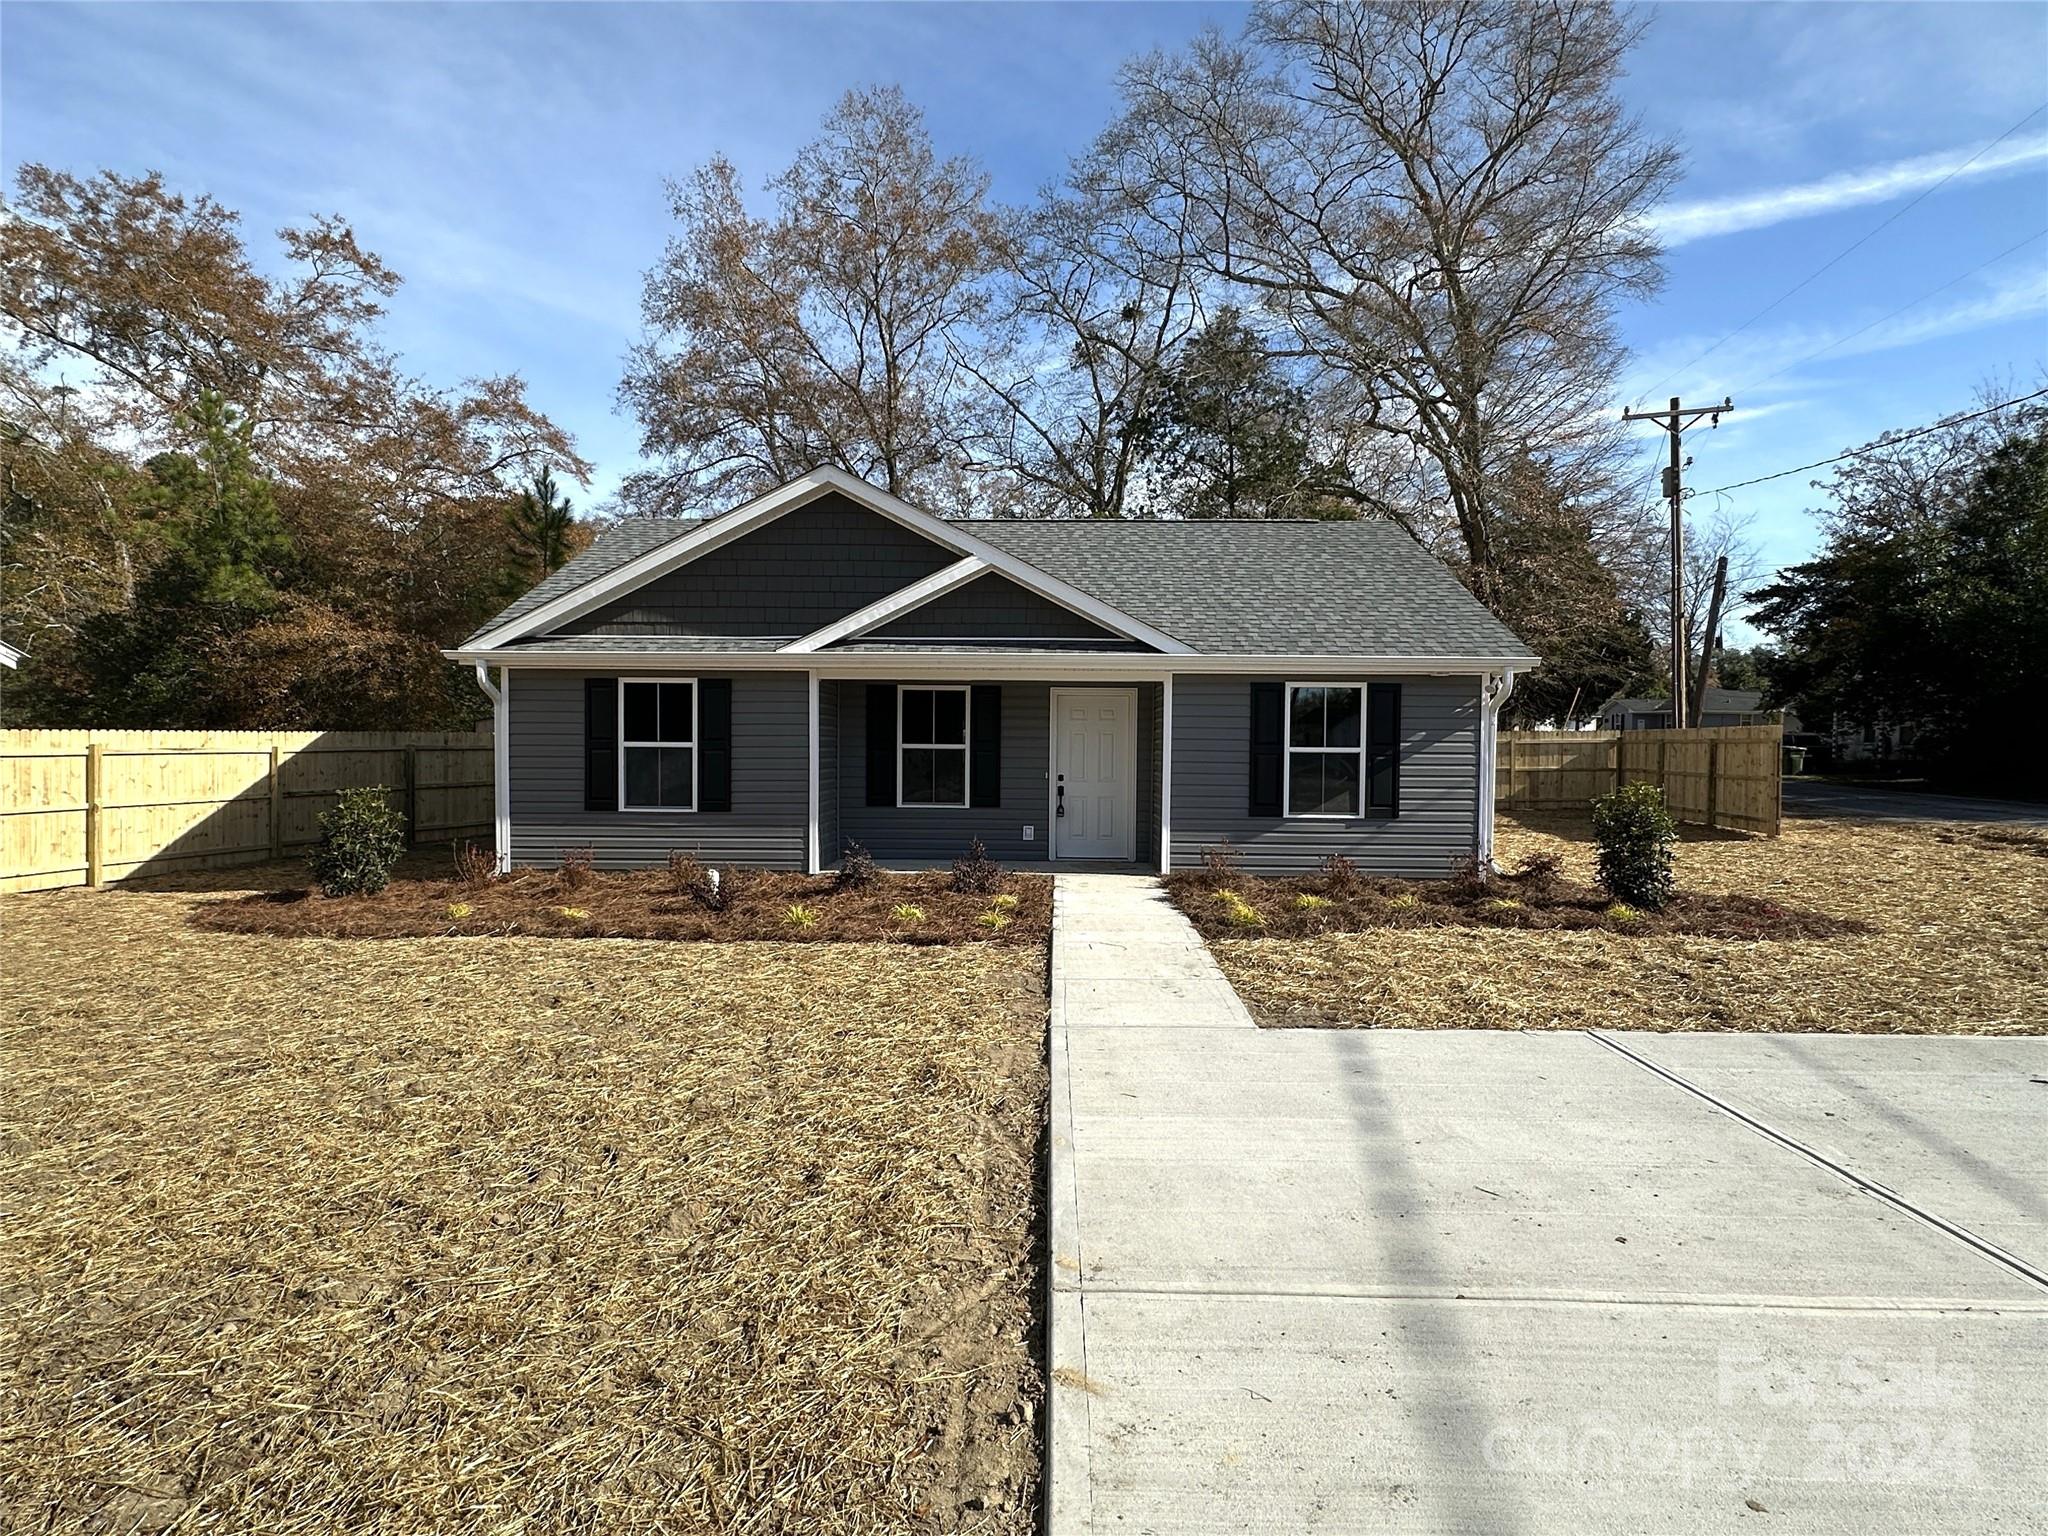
[
  {"x": 1166, "y": 774},
  {"x": 812, "y": 862},
  {"x": 501, "y": 760}
]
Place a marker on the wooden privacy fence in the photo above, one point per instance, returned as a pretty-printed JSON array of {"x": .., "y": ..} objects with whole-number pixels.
[
  {"x": 84, "y": 807},
  {"x": 1718, "y": 776}
]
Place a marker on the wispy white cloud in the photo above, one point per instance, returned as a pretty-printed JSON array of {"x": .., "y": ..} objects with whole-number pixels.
[
  {"x": 1786, "y": 358},
  {"x": 1681, "y": 222}
]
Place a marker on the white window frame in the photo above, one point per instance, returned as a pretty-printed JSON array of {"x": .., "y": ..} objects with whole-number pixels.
[
  {"x": 696, "y": 756},
  {"x": 1288, "y": 749},
  {"x": 965, "y": 690}
]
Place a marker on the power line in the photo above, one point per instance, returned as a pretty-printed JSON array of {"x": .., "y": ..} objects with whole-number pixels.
[
  {"x": 1844, "y": 253},
  {"x": 1894, "y": 314},
  {"x": 1887, "y": 442}
]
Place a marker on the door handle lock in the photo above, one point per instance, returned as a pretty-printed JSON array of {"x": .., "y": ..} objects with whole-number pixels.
[{"x": 1061, "y": 808}]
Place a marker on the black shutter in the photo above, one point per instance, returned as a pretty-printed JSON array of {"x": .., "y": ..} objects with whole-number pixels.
[
  {"x": 600, "y": 743},
  {"x": 985, "y": 747},
  {"x": 1383, "y": 750},
  {"x": 714, "y": 744},
  {"x": 1269, "y": 746},
  {"x": 881, "y": 743}
]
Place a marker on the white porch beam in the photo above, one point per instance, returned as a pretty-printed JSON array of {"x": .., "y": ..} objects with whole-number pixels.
[
  {"x": 1166, "y": 774},
  {"x": 811, "y": 850}
]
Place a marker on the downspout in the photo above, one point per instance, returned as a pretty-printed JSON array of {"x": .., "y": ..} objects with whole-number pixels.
[
  {"x": 501, "y": 766},
  {"x": 1493, "y": 693}
]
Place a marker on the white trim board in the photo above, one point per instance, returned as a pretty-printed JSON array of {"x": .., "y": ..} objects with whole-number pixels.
[
  {"x": 916, "y": 595},
  {"x": 717, "y": 531}
]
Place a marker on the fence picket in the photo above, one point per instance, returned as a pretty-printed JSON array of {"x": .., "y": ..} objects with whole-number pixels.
[
  {"x": 79, "y": 807},
  {"x": 1724, "y": 776}
]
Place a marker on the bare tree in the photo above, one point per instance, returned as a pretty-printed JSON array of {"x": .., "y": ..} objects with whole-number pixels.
[
  {"x": 1437, "y": 203},
  {"x": 828, "y": 333}
]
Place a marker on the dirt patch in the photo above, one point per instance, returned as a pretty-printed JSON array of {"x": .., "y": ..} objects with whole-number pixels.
[
  {"x": 1235, "y": 906},
  {"x": 750, "y": 906},
  {"x": 1955, "y": 942},
  {"x": 436, "y": 1234}
]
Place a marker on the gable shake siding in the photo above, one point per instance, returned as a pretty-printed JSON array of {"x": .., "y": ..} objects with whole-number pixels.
[
  {"x": 1439, "y": 784},
  {"x": 787, "y": 578},
  {"x": 993, "y": 607},
  {"x": 770, "y": 787}
]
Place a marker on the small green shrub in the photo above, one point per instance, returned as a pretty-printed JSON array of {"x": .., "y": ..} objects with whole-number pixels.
[
  {"x": 993, "y": 921},
  {"x": 797, "y": 915},
  {"x": 977, "y": 874},
  {"x": 1307, "y": 903},
  {"x": 1634, "y": 831},
  {"x": 909, "y": 914},
  {"x": 856, "y": 869},
  {"x": 361, "y": 841}
]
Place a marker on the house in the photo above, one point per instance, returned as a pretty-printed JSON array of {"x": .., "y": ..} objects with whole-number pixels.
[
  {"x": 829, "y": 664},
  {"x": 1721, "y": 706}
]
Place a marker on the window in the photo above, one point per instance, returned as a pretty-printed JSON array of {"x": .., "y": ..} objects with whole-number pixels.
[
  {"x": 1325, "y": 749},
  {"x": 931, "y": 742},
  {"x": 657, "y": 744}
]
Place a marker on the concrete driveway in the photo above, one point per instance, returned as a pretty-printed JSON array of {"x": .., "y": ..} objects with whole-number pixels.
[
  {"x": 1811, "y": 797},
  {"x": 1494, "y": 1282}
]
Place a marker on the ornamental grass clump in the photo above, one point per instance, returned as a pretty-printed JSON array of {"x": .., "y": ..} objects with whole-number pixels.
[
  {"x": 797, "y": 915},
  {"x": 361, "y": 841},
  {"x": 1308, "y": 902},
  {"x": 1634, "y": 831},
  {"x": 908, "y": 913}
]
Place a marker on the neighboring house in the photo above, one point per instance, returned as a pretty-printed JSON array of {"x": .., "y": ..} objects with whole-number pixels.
[
  {"x": 9, "y": 656},
  {"x": 828, "y": 664},
  {"x": 1722, "y": 706}
]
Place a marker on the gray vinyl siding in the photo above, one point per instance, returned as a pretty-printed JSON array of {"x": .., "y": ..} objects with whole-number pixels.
[
  {"x": 829, "y": 840},
  {"x": 1439, "y": 794},
  {"x": 770, "y": 780},
  {"x": 1150, "y": 698},
  {"x": 993, "y": 607},
  {"x": 795, "y": 574}
]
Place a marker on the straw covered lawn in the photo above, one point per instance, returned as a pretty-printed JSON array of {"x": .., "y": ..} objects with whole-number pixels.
[
  {"x": 1958, "y": 943},
  {"x": 487, "y": 1235}
]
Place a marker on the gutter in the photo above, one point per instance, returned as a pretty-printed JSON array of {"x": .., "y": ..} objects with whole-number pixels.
[
  {"x": 995, "y": 664},
  {"x": 1493, "y": 692}
]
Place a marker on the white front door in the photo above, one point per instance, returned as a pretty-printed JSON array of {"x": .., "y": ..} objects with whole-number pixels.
[{"x": 1094, "y": 763}]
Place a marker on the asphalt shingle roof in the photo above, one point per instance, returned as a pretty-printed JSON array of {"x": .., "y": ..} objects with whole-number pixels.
[
  {"x": 1282, "y": 588},
  {"x": 1362, "y": 588}
]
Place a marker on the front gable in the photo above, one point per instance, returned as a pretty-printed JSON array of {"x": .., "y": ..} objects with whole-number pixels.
[{"x": 816, "y": 563}]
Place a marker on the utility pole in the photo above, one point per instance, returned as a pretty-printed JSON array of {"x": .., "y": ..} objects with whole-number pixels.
[
  {"x": 1674, "y": 421},
  {"x": 1711, "y": 641}
]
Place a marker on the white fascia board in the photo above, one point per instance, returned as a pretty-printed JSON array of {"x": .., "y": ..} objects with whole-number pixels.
[
  {"x": 995, "y": 664},
  {"x": 916, "y": 595},
  {"x": 664, "y": 558}
]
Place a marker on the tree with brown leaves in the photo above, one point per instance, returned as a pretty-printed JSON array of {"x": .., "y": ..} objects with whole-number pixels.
[{"x": 829, "y": 332}]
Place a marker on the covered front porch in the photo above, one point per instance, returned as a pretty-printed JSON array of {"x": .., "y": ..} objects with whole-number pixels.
[{"x": 1049, "y": 773}]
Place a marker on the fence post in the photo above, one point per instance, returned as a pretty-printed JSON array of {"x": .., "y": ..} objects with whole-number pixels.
[
  {"x": 93, "y": 829},
  {"x": 1713, "y": 782},
  {"x": 276, "y": 805},
  {"x": 412, "y": 796}
]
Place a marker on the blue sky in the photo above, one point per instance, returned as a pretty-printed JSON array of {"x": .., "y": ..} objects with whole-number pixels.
[{"x": 508, "y": 161}]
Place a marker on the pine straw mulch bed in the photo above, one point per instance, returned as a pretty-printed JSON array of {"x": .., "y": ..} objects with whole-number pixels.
[
  {"x": 646, "y": 904},
  {"x": 1956, "y": 943},
  {"x": 490, "y": 1234},
  {"x": 1226, "y": 903}
]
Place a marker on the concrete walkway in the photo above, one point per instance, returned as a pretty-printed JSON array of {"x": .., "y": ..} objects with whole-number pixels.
[{"x": 1392, "y": 1281}]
